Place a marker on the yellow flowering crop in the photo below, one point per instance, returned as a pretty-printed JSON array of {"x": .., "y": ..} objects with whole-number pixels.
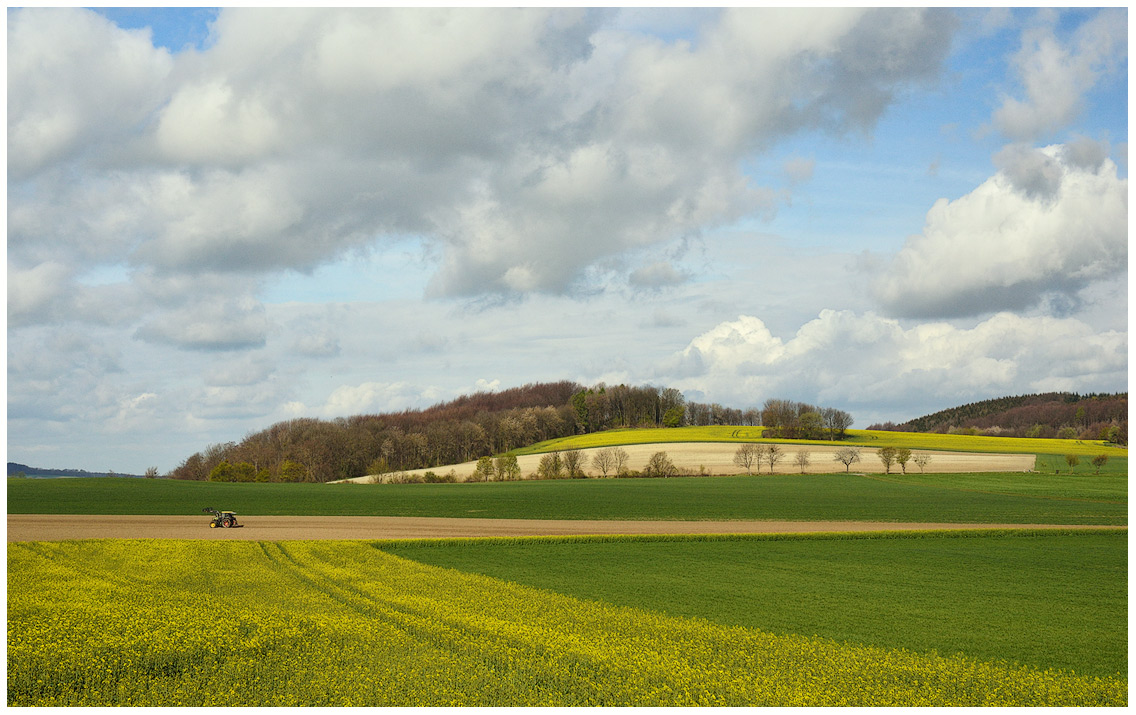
[{"x": 341, "y": 623}]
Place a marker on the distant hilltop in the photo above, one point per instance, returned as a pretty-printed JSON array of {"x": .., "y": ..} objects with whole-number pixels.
[
  {"x": 1065, "y": 415},
  {"x": 15, "y": 469}
]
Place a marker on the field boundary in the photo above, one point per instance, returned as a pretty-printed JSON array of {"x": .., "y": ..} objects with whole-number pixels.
[{"x": 962, "y": 533}]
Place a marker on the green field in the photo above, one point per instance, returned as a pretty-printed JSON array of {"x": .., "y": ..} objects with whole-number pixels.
[
  {"x": 188, "y": 623},
  {"x": 1008, "y": 617},
  {"x": 861, "y": 438},
  {"x": 998, "y": 498},
  {"x": 1045, "y": 599}
]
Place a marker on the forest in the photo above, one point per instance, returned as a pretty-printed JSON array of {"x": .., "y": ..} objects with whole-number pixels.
[{"x": 1052, "y": 414}]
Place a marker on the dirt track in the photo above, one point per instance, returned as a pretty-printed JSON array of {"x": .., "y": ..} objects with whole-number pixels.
[{"x": 58, "y": 527}]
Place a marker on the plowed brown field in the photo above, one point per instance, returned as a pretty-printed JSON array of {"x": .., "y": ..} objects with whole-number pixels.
[{"x": 58, "y": 527}]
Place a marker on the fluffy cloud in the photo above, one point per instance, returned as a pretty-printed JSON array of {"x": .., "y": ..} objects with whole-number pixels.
[
  {"x": 76, "y": 82},
  {"x": 526, "y": 145},
  {"x": 846, "y": 359},
  {"x": 1051, "y": 221},
  {"x": 1056, "y": 76}
]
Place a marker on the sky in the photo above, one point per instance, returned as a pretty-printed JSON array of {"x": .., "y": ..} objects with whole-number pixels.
[{"x": 220, "y": 219}]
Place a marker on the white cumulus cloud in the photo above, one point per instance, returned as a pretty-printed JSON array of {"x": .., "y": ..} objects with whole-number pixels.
[{"x": 1049, "y": 222}]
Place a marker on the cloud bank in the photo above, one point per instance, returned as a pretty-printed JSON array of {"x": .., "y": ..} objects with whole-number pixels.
[
  {"x": 526, "y": 146},
  {"x": 869, "y": 361}
]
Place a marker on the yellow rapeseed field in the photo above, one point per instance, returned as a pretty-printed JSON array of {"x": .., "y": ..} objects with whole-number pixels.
[
  {"x": 861, "y": 438},
  {"x": 342, "y": 623}
]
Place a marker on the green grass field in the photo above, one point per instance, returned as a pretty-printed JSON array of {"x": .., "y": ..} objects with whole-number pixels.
[
  {"x": 334, "y": 623},
  {"x": 862, "y": 438},
  {"x": 1045, "y": 599},
  {"x": 997, "y": 498}
]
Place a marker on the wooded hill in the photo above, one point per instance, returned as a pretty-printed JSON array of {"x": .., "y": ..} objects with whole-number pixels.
[
  {"x": 461, "y": 430},
  {"x": 1050, "y": 414}
]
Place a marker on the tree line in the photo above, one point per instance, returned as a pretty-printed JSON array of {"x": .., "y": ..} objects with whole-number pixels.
[{"x": 475, "y": 426}]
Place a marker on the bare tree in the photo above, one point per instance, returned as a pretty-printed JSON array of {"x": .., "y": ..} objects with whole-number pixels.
[
  {"x": 573, "y": 464},
  {"x": 836, "y": 421},
  {"x": 610, "y": 460},
  {"x": 773, "y": 455},
  {"x": 802, "y": 460},
  {"x": 847, "y": 456},
  {"x": 922, "y": 459},
  {"x": 902, "y": 457},
  {"x": 749, "y": 454},
  {"x": 887, "y": 456}
]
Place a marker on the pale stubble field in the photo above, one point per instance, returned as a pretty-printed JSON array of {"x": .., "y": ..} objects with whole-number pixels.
[{"x": 717, "y": 458}]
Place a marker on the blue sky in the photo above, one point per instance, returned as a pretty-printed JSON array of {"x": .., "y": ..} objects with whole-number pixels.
[{"x": 242, "y": 216}]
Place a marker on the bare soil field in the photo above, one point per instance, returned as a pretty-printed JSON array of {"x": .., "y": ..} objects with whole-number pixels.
[
  {"x": 60, "y": 527},
  {"x": 718, "y": 458}
]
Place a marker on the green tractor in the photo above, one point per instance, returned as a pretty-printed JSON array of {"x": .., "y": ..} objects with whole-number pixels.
[{"x": 226, "y": 519}]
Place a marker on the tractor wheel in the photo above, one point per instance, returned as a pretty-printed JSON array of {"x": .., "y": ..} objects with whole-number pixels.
[
  {"x": 226, "y": 523},
  {"x": 212, "y": 525}
]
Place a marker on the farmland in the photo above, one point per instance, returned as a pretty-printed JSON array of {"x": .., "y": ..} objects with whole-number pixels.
[
  {"x": 996, "y": 498},
  {"x": 861, "y": 438},
  {"x": 185, "y": 623},
  {"x": 1047, "y": 599},
  {"x": 1001, "y": 616}
]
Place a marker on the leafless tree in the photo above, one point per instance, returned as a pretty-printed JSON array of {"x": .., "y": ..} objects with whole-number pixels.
[
  {"x": 573, "y": 463},
  {"x": 773, "y": 455},
  {"x": 922, "y": 459},
  {"x": 748, "y": 455},
  {"x": 610, "y": 460},
  {"x": 802, "y": 460},
  {"x": 847, "y": 456}
]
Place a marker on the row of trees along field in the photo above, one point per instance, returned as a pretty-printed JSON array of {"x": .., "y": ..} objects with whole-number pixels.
[
  {"x": 465, "y": 429},
  {"x": 1064, "y": 415}
]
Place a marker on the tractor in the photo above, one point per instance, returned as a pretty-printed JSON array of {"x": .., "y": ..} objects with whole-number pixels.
[{"x": 226, "y": 519}]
